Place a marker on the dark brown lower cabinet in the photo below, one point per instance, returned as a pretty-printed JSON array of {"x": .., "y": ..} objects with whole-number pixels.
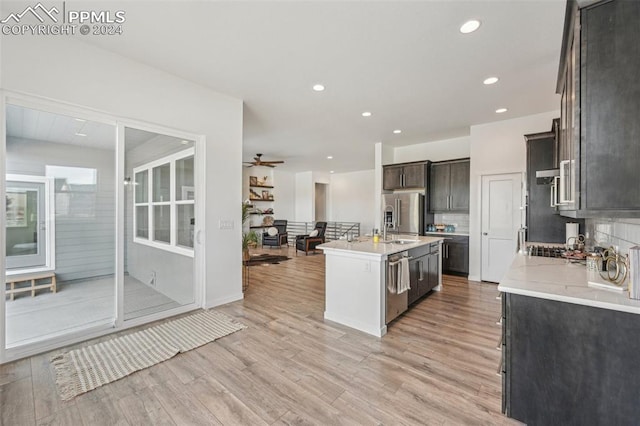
[
  {"x": 569, "y": 364},
  {"x": 423, "y": 270},
  {"x": 455, "y": 256}
]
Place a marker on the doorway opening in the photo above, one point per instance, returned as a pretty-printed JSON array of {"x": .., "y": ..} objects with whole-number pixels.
[{"x": 321, "y": 202}]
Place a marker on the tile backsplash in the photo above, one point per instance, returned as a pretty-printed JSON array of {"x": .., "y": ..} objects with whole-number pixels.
[
  {"x": 460, "y": 221},
  {"x": 605, "y": 232}
]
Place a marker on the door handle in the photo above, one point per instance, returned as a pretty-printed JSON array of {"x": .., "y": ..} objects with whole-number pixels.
[{"x": 484, "y": 233}]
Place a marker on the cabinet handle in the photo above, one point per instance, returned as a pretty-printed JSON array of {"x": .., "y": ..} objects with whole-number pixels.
[{"x": 420, "y": 271}]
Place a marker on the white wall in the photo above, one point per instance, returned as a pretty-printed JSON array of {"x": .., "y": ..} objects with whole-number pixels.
[
  {"x": 497, "y": 148},
  {"x": 305, "y": 203},
  {"x": 61, "y": 68},
  {"x": 285, "y": 195},
  {"x": 353, "y": 199},
  {"x": 447, "y": 149}
]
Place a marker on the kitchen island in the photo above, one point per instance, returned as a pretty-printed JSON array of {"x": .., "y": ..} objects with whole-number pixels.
[
  {"x": 356, "y": 278},
  {"x": 570, "y": 351}
]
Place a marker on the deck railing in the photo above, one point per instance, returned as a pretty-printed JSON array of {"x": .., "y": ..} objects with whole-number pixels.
[{"x": 334, "y": 229}]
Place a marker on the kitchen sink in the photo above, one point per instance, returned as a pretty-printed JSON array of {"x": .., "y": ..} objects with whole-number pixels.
[{"x": 401, "y": 241}]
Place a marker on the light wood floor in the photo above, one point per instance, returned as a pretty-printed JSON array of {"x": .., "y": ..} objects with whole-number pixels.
[{"x": 437, "y": 365}]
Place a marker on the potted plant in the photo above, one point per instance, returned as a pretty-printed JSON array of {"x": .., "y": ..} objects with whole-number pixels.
[{"x": 250, "y": 238}]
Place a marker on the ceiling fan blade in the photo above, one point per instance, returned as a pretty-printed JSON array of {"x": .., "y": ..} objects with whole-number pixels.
[
  {"x": 266, "y": 165},
  {"x": 273, "y": 162}
]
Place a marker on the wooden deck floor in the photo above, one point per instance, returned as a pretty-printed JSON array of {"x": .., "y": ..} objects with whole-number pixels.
[{"x": 437, "y": 365}]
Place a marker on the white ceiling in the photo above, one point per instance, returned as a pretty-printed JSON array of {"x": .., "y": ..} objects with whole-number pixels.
[
  {"x": 26, "y": 123},
  {"x": 32, "y": 124},
  {"x": 405, "y": 61}
]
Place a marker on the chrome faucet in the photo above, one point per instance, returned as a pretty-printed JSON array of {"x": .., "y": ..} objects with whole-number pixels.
[{"x": 388, "y": 221}]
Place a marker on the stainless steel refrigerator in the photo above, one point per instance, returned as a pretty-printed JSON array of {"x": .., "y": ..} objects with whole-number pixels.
[{"x": 404, "y": 212}]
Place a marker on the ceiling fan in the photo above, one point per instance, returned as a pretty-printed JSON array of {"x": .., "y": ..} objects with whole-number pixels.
[{"x": 259, "y": 162}]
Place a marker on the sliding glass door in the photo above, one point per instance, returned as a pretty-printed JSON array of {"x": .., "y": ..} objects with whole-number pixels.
[
  {"x": 60, "y": 221},
  {"x": 160, "y": 223},
  {"x": 99, "y": 227}
]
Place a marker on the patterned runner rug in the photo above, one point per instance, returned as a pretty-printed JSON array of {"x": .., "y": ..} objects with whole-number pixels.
[{"x": 81, "y": 370}]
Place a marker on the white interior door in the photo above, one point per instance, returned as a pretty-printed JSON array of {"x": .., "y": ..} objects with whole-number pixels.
[{"x": 501, "y": 219}]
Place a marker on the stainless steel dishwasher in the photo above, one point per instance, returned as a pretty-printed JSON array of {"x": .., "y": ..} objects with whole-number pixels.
[{"x": 396, "y": 304}]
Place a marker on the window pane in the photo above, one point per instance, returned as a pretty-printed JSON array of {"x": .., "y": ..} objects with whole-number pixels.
[
  {"x": 184, "y": 179},
  {"x": 142, "y": 222},
  {"x": 142, "y": 187},
  {"x": 22, "y": 221},
  {"x": 186, "y": 222},
  {"x": 76, "y": 190},
  {"x": 162, "y": 223},
  {"x": 161, "y": 183}
]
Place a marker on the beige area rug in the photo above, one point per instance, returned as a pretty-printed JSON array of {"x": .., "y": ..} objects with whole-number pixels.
[{"x": 81, "y": 370}]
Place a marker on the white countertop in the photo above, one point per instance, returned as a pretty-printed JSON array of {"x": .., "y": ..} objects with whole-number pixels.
[
  {"x": 555, "y": 279},
  {"x": 456, "y": 233},
  {"x": 365, "y": 245}
]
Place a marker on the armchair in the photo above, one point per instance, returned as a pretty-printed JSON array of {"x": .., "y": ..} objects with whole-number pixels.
[
  {"x": 276, "y": 240},
  {"x": 310, "y": 241}
]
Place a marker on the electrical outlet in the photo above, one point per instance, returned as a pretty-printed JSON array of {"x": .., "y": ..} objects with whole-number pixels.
[
  {"x": 226, "y": 224},
  {"x": 367, "y": 266}
]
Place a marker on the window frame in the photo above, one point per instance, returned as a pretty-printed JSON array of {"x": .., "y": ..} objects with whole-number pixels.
[{"x": 172, "y": 246}]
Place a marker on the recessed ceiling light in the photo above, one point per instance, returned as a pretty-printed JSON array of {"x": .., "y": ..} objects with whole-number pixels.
[
  {"x": 501, "y": 110},
  {"x": 81, "y": 120},
  {"x": 318, "y": 87},
  {"x": 366, "y": 114},
  {"x": 329, "y": 157},
  {"x": 184, "y": 142},
  {"x": 470, "y": 26},
  {"x": 331, "y": 171},
  {"x": 397, "y": 131},
  {"x": 491, "y": 80},
  {"x": 81, "y": 134}
]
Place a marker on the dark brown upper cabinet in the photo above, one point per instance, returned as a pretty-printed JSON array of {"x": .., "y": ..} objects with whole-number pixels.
[
  {"x": 449, "y": 187},
  {"x": 600, "y": 105},
  {"x": 404, "y": 176}
]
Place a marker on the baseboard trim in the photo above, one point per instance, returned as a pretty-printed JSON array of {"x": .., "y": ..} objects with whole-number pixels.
[{"x": 223, "y": 300}]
